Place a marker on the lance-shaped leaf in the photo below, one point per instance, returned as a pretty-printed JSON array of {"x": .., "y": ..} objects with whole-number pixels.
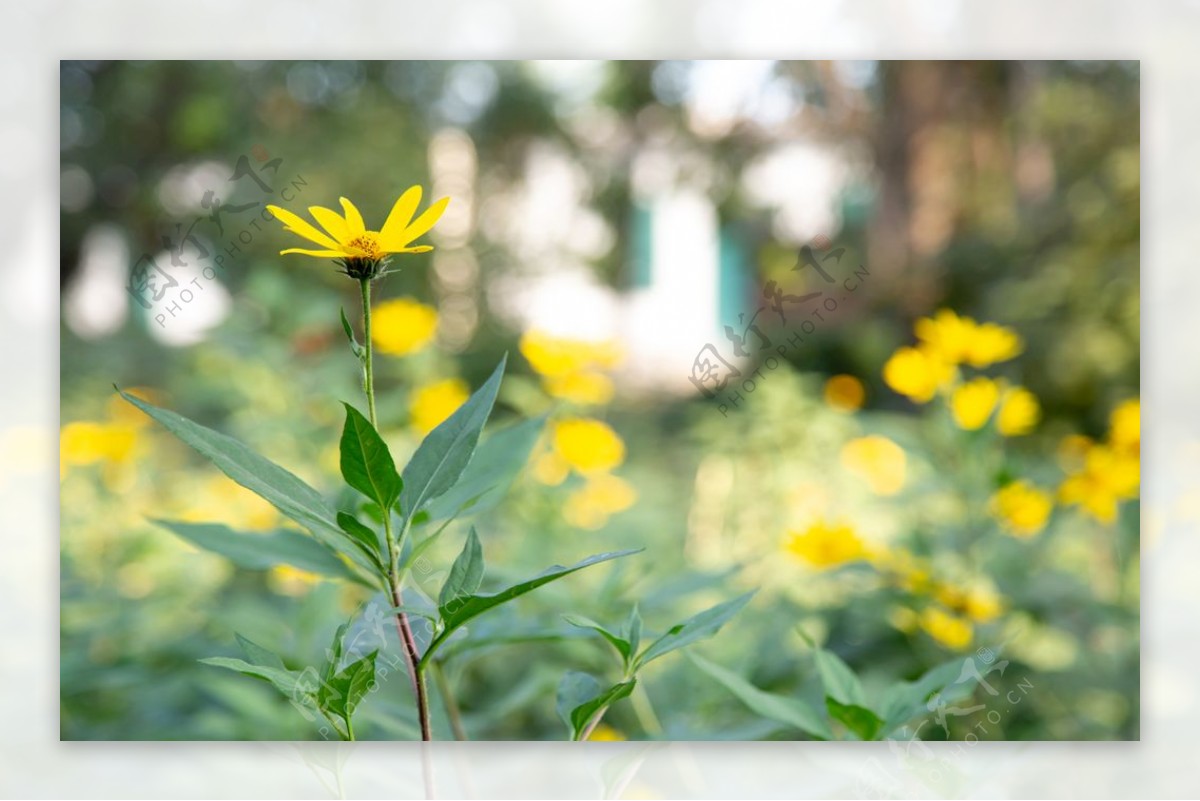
[
  {"x": 442, "y": 456},
  {"x": 904, "y": 701},
  {"x": 862, "y": 722},
  {"x": 696, "y": 628},
  {"x": 265, "y": 664},
  {"x": 491, "y": 471},
  {"x": 839, "y": 680},
  {"x": 355, "y": 348},
  {"x": 458, "y": 612},
  {"x": 363, "y": 538},
  {"x": 262, "y": 551},
  {"x": 280, "y": 488},
  {"x": 781, "y": 708},
  {"x": 622, "y": 645},
  {"x": 366, "y": 462},
  {"x": 341, "y": 693},
  {"x": 581, "y": 697},
  {"x": 466, "y": 573}
]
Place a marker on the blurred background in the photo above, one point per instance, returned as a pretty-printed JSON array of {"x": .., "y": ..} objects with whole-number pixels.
[{"x": 616, "y": 218}]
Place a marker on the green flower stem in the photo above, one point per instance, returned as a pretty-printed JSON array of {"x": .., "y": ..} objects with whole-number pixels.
[
  {"x": 452, "y": 711},
  {"x": 409, "y": 643}
]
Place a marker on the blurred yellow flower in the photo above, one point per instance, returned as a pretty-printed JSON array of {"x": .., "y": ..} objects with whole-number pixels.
[
  {"x": 960, "y": 340},
  {"x": 1021, "y": 508},
  {"x": 86, "y": 442},
  {"x": 585, "y": 387},
  {"x": 347, "y": 237},
  {"x": 950, "y": 630},
  {"x": 878, "y": 460},
  {"x": 1019, "y": 412},
  {"x": 917, "y": 373},
  {"x": 1073, "y": 450},
  {"x": 288, "y": 580},
  {"x": 972, "y": 403},
  {"x": 982, "y": 604},
  {"x": 825, "y": 545},
  {"x": 844, "y": 393},
  {"x": 403, "y": 326},
  {"x": 588, "y": 446},
  {"x": 431, "y": 404},
  {"x": 603, "y": 733},
  {"x": 591, "y": 505},
  {"x": 1107, "y": 477},
  {"x": 558, "y": 356},
  {"x": 550, "y": 469},
  {"x": 991, "y": 344},
  {"x": 1125, "y": 426}
]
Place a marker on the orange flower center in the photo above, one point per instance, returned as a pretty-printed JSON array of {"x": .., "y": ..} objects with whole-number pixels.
[{"x": 366, "y": 245}]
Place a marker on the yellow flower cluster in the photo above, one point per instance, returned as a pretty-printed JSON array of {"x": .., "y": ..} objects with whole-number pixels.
[
  {"x": 949, "y": 611},
  {"x": 1106, "y": 473},
  {"x": 825, "y": 545},
  {"x": 575, "y": 371},
  {"x": 948, "y": 342},
  {"x": 593, "y": 450},
  {"x": 1021, "y": 508},
  {"x": 403, "y": 326},
  {"x": 430, "y": 405},
  {"x": 572, "y": 370}
]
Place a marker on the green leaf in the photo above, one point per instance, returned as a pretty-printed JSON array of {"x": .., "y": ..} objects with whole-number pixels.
[
  {"x": 258, "y": 655},
  {"x": 366, "y": 462},
  {"x": 696, "y": 628},
  {"x": 907, "y": 700},
  {"x": 839, "y": 680},
  {"x": 864, "y": 723},
  {"x": 442, "y": 456},
  {"x": 633, "y": 629},
  {"x": 363, "y": 538},
  {"x": 281, "y": 489},
  {"x": 780, "y": 708},
  {"x": 341, "y": 693},
  {"x": 355, "y": 348},
  {"x": 580, "y": 698},
  {"x": 491, "y": 471},
  {"x": 466, "y": 574},
  {"x": 623, "y": 646},
  {"x": 463, "y": 609},
  {"x": 262, "y": 551},
  {"x": 285, "y": 681}
]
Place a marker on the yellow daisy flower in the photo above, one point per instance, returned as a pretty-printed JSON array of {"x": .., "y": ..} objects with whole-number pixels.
[
  {"x": 589, "y": 446},
  {"x": 973, "y": 402},
  {"x": 844, "y": 393},
  {"x": 950, "y": 630},
  {"x": 403, "y": 326},
  {"x": 1019, "y": 412},
  {"x": 1021, "y": 508},
  {"x": 917, "y": 373},
  {"x": 348, "y": 239},
  {"x": 825, "y": 545}
]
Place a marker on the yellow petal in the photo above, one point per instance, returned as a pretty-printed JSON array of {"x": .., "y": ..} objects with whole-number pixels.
[
  {"x": 297, "y": 225},
  {"x": 331, "y": 221},
  {"x": 423, "y": 223},
  {"x": 328, "y": 254},
  {"x": 415, "y": 249},
  {"x": 354, "y": 220},
  {"x": 401, "y": 214}
]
